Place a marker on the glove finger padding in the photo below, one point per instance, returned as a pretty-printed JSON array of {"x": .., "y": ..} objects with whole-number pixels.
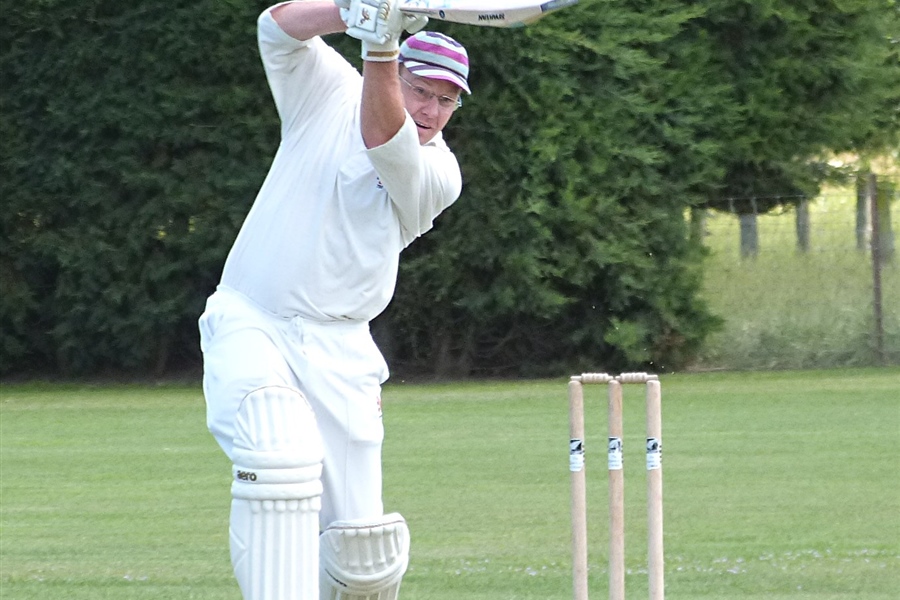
[{"x": 414, "y": 23}]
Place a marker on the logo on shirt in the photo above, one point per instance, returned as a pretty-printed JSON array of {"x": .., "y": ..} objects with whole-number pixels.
[{"x": 378, "y": 183}]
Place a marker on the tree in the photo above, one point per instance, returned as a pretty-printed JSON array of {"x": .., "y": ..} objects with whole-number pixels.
[
  {"x": 805, "y": 78},
  {"x": 135, "y": 136},
  {"x": 569, "y": 245}
]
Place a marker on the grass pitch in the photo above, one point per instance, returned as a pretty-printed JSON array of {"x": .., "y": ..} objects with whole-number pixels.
[{"x": 777, "y": 486}]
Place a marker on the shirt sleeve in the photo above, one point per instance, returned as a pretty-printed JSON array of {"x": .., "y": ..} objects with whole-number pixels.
[
  {"x": 304, "y": 75},
  {"x": 421, "y": 181}
]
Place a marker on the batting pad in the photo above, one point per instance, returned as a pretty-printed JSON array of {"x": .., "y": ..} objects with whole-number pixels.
[
  {"x": 276, "y": 496},
  {"x": 364, "y": 559}
]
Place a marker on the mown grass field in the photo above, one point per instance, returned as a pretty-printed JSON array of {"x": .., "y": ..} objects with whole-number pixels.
[{"x": 778, "y": 486}]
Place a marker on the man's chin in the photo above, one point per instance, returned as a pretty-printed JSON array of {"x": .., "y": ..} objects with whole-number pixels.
[{"x": 425, "y": 135}]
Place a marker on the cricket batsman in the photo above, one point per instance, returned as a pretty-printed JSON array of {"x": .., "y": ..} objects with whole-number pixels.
[{"x": 292, "y": 377}]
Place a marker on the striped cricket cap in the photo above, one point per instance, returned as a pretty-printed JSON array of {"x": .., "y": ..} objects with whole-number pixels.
[{"x": 436, "y": 56}]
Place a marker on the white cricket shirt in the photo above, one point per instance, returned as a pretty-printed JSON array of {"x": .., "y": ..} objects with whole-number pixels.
[{"x": 323, "y": 238}]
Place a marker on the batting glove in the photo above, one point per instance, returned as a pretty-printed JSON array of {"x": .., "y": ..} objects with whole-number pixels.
[
  {"x": 414, "y": 23},
  {"x": 377, "y": 23}
]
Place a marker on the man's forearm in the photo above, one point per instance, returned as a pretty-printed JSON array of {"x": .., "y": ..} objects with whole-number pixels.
[
  {"x": 382, "y": 112},
  {"x": 306, "y": 20}
]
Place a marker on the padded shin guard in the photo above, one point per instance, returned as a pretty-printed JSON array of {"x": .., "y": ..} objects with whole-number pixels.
[
  {"x": 276, "y": 494},
  {"x": 364, "y": 559}
]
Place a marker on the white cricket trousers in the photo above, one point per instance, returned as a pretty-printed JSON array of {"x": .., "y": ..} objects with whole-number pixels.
[{"x": 337, "y": 367}]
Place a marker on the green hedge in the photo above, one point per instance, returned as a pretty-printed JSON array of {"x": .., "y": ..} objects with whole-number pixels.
[{"x": 136, "y": 137}]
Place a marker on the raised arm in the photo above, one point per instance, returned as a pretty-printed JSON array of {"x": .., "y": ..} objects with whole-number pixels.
[
  {"x": 306, "y": 20},
  {"x": 379, "y": 24},
  {"x": 382, "y": 112}
]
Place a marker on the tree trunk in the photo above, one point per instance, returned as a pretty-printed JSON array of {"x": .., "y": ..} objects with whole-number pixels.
[
  {"x": 698, "y": 225},
  {"x": 877, "y": 295},
  {"x": 452, "y": 354},
  {"x": 803, "y": 226},
  {"x": 862, "y": 214},
  {"x": 749, "y": 235},
  {"x": 886, "y": 243}
]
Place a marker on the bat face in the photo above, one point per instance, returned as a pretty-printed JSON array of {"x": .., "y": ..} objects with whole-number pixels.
[{"x": 486, "y": 13}]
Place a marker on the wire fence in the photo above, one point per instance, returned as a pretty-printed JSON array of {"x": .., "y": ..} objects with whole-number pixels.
[{"x": 812, "y": 285}]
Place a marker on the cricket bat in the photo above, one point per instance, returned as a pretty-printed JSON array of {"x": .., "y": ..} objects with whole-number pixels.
[{"x": 487, "y": 13}]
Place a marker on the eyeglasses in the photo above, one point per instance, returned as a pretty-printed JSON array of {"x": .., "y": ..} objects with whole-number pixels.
[{"x": 425, "y": 95}]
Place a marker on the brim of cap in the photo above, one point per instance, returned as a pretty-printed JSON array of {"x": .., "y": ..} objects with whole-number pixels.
[{"x": 433, "y": 72}]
